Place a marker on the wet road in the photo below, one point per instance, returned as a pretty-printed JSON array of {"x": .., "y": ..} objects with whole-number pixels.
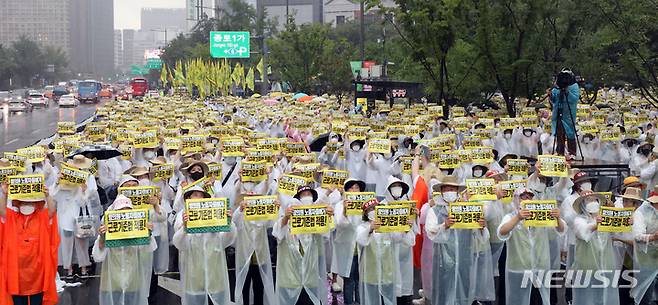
[{"x": 20, "y": 129}]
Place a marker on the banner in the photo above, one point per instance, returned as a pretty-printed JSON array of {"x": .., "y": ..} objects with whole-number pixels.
[
  {"x": 261, "y": 208},
  {"x": 72, "y": 176},
  {"x": 481, "y": 189},
  {"x": 467, "y": 214},
  {"x": 615, "y": 220},
  {"x": 255, "y": 155},
  {"x": 269, "y": 144},
  {"x": 232, "y": 147},
  {"x": 66, "y": 128},
  {"x": 481, "y": 155},
  {"x": 461, "y": 123},
  {"x": 16, "y": 160},
  {"x": 288, "y": 184},
  {"x": 553, "y": 166},
  {"x": 393, "y": 218},
  {"x": 215, "y": 170},
  {"x": 192, "y": 143},
  {"x": 517, "y": 167},
  {"x": 508, "y": 123},
  {"x": 445, "y": 142},
  {"x": 435, "y": 111},
  {"x": 334, "y": 178},
  {"x": 410, "y": 203},
  {"x": 26, "y": 187},
  {"x": 6, "y": 172},
  {"x": 306, "y": 170},
  {"x": 470, "y": 142},
  {"x": 253, "y": 171},
  {"x": 207, "y": 215},
  {"x": 610, "y": 134},
  {"x": 33, "y": 153},
  {"x": 171, "y": 144},
  {"x": 145, "y": 139},
  {"x": 382, "y": 146},
  {"x": 508, "y": 187},
  {"x": 449, "y": 159},
  {"x": 458, "y": 112},
  {"x": 540, "y": 213},
  {"x": 139, "y": 195},
  {"x": 309, "y": 219},
  {"x": 295, "y": 148},
  {"x": 126, "y": 228},
  {"x": 357, "y": 199},
  {"x": 162, "y": 172},
  {"x": 357, "y": 132}
]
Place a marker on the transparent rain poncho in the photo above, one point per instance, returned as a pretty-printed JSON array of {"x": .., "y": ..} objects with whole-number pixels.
[
  {"x": 462, "y": 265},
  {"x": 125, "y": 273},
  {"x": 203, "y": 269},
  {"x": 645, "y": 253},
  {"x": 344, "y": 241}
]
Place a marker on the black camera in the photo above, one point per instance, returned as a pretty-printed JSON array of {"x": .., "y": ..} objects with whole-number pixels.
[{"x": 565, "y": 79}]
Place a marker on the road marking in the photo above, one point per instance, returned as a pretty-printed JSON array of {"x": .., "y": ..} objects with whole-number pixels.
[{"x": 12, "y": 141}]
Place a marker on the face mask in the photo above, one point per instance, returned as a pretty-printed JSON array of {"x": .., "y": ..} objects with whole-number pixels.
[
  {"x": 230, "y": 160},
  {"x": 371, "y": 215},
  {"x": 586, "y": 186},
  {"x": 149, "y": 155},
  {"x": 449, "y": 196},
  {"x": 592, "y": 207},
  {"x": 629, "y": 144},
  {"x": 477, "y": 173},
  {"x": 396, "y": 191},
  {"x": 507, "y": 136},
  {"x": 334, "y": 140},
  {"x": 26, "y": 209},
  {"x": 437, "y": 198},
  {"x": 306, "y": 200},
  {"x": 144, "y": 182},
  {"x": 645, "y": 152},
  {"x": 540, "y": 187},
  {"x": 248, "y": 186},
  {"x": 196, "y": 175},
  {"x": 356, "y": 147},
  {"x": 586, "y": 140},
  {"x": 527, "y": 133}
]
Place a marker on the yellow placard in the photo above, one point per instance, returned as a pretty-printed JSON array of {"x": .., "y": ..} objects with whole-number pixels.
[
  {"x": 610, "y": 134},
  {"x": 529, "y": 112},
  {"x": 201, "y": 183},
  {"x": 435, "y": 111},
  {"x": 540, "y": 213},
  {"x": 481, "y": 155},
  {"x": 616, "y": 220},
  {"x": 295, "y": 148},
  {"x": 445, "y": 142},
  {"x": 192, "y": 143},
  {"x": 406, "y": 163},
  {"x": 207, "y": 215},
  {"x": 66, "y": 128},
  {"x": 16, "y": 159},
  {"x": 26, "y": 187},
  {"x": 145, "y": 139},
  {"x": 470, "y": 142},
  {"x": 72, "y": 176},
  {"x": 553, "y": 166},
  {"x": 288, "y": 184},
  {"x": 508, "y": 123},
  {"x": 600, "y": 117},
  {"x": 481, "y": 189},
  {"x": 171, "y": 144},
  {"x": 393, "y": 218},
  {"x": 358, "y": 132},
  {"x": 334, "y": 178},
  {"x": 461, "y": 123},
  {"x": 517, "y": 167},
  {"x": 232, "y": 147},
  {"x": 508, "y": 187},
  {"x": 339, "y": 127},
  {"x": 268, "y": 144},
  {"x": 6, "y": 172},
  {"x": 255, "y": 155},
  {"x": 126, "y": 224},
  {"x": 261, "y": 208},
  {"x": 306, "y": 170},
  {"x": 382, "y": 146},
  {"x": 162, "y": 172},
  {"x": 126, "y": 151},
  {"x": 253, "y": 171},
  {"x": 215, "y": 170},
  {"x": 333, "y": 147},
  {"x": 33, "y": 153},
  {"x": 467, "y": 214},
  {"x": 582, "y": 111},
  {"x": 449, "y": 159},
  {"x": 309, "y": 219},
  {"x": 357, "y": 199},
  {"x": 139, "y": 195},
  {"x": 588, "y": 127},
  {"x": 96, "y": 131},
  {"x": 457, "y": 112}
]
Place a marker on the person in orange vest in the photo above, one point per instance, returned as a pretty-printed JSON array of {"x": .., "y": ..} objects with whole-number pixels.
[{"x": 29, "y": 240}]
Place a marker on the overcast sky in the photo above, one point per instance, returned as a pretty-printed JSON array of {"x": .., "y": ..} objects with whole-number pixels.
[{"x": 127, "y": 12}]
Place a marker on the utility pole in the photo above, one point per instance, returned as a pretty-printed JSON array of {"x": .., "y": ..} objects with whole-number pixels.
[
  {"x": 362, "y": 32},
  {"x": 261, "y": 29},
  {"x": 288, "y": 12}
]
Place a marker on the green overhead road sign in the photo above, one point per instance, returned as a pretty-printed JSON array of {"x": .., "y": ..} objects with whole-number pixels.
[
  {"x": 138, "y": 70},
  {"x": 229, "y": 44},
  {"x": 153, "y": 63}
]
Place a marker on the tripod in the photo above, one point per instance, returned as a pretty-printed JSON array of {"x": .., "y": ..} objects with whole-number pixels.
[{"x": 564, "y": 99}]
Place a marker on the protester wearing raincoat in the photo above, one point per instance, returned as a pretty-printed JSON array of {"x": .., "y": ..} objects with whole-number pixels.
[
  {"x": 344, "y": 258},
  {"x": 252, "y": 257},
  {"x": 564, "y": 110},
  {"x": 462, "y": 264},
  {"x": 301, "y": 262},
  {"x": 202, "y": 260},
  {"x": 645, "y": 252},
  {"x": 125, "y": 271},
  {"x": 594, "y": 251},
  {"x": 528, "y": 250}
]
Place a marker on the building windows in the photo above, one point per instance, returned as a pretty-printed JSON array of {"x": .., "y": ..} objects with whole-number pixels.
[{"x": 340, "y": 20}]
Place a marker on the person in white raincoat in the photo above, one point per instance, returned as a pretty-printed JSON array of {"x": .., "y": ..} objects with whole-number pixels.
[
  {"x": 330, "y": 158},
  {"x": 252, "y": 257},
  {"x": 591, "y": 146},
  {"x": 507, "y": 141},
  {"x": 193, "y": 172},
  {"x": 301, "y": 269},
  {"x": 344, "y": 258},
  {"x": 73, "y": 201},
  {"x": 379, "y": 264},
  {"x": 204, "y": 273},
  {"x": 527, "y": 251},
  {"x": 462, "y": 267},
  {"x": 355, "y": 158},
  {"x": 125, "y": 271},
  {"x": 641, "y": 158},
  {"x": 594, "y": 251},
  {"x": 645, "y": 252}
]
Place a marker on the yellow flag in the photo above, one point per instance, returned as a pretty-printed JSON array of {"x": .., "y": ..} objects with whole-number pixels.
[{"x": 250, "y": 79}]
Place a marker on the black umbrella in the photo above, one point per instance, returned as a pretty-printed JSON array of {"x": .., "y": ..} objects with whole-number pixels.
[
  {"x": 98, "y": 152},
  {"x": 321, "y": 141}
]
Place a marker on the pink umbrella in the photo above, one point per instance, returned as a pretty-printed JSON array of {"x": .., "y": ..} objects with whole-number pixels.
[{"x": 270, "y": 102}]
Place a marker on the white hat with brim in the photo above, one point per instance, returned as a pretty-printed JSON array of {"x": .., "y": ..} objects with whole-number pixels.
[
  {"x": 80, "y": 162},
  {"x": 578, "y": 203},
  {"x": 196, "y": 188},
  {"x": 203, "y": 165},
  {"x": 352, "y": 181},
  {"x": 121, "y": 202},
  {"x": 447, "y": 181},
  {"x": 392, "y": 180},
  {"x": 126, "y": 178}
]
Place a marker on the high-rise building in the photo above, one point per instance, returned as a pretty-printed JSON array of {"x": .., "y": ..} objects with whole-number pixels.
[
  {"x": 157, "y": 20},
  {"x": 92, "y": 34},
  {"x": 118, "y": 50},
  {"x": 43, "y": 21},
  {"x": 338, "y": 12},
  {"x": 199, "y": 9},
  {"x": 128, "y": 48},
  {"x": 303, "y": 11}
]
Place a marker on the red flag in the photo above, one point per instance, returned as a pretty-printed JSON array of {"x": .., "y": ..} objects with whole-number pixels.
[{"x": 420, "y": 195}]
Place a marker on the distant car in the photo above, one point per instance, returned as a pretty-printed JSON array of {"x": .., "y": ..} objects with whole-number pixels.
[
  {"x": 4, "y": 97},
  {"x": 68, "y": 100},
  {"x": 105, "y": 93},
  {"x": 59, "y": 91},
  {"x": 123, "y": 95},
  {"x": 19, "y": 104},
  {"x": 38, "y": 99},
  {"x": 48, "y": 91}
]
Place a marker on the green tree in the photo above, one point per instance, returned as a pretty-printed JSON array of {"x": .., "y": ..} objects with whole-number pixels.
[
  {"x": 28, "y": 60},
  {"x": 6, "y": 66}
]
